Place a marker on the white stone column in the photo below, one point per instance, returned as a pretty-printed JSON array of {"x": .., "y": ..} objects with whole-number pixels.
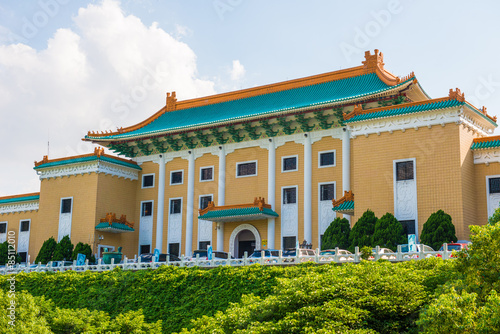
[
  {"x": 190, "y": 205},
  {"x": 307, "y": 188},
  {"x": 221, "y": 197},
  {"x": 346, "y": 164},
  {"x": 271, "y": 192},
  {"x": 161, "y": 203}
]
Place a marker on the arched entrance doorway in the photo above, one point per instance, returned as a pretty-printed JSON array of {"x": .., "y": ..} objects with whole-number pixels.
[{"x": 244, "y": 237}]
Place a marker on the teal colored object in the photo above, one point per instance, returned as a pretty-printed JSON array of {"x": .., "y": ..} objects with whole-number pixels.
[
  {"x": 86, "y": 159},
  {"x": 237, "y": 213},
  {"x": 342, "y": 90},
  {"x": 20, "y": 199},
  {"x": 346, "y": 206},
  {"x": 114, "y": 226},
  {"x": 107, "y": 256},
  {"x": 486, "y": 144}
]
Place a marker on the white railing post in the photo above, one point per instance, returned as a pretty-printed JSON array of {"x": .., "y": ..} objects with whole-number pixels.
[
  {"x": 316, "y": 256},
  {"x": 421, "y": 253},
  {"x": 99, "y": 265},
  {"x": 377, "y": 253},
  {"x": 262, "y": 254},
  {"x": 399, "y": 254},
  {"x": 357, "y": 257},
  {"x": 245, "y": 258},
  {"x": 228, "y": 262},
  {"x": 74, "y": 265},
  {"x": 336, "y": 257},
  {"x": 445, "y": 255},
  {"x": 86, "y": 264},
  {"x": 182, "y": 261}
]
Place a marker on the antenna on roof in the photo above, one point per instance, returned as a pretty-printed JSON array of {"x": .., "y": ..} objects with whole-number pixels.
[{"x": 48, "y": 142}]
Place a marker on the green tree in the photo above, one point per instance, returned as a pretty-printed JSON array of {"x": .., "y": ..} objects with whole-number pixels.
[
  {"x": 337, "y": 234},
  {"x": 495, "y": 218},
  {"x": 4, "y": 254},
  {"x": 438, "y": 229},
  {"x": 389, "y": 232},
  {"x": 362, "y": 232},
  {"x": 64, "y": 250},
  {"x": 85, "y": 249},
  {"x": 47, "y": 251}
]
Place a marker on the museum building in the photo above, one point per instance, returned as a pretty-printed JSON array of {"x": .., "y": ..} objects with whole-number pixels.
[{"x": 268, "y": 167}]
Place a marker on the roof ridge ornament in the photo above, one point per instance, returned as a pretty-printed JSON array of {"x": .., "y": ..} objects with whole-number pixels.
[
  {"x": 372, "y": 62},
  {"x": 171, "y": 101},
  {"x": 456, "y": 95}
]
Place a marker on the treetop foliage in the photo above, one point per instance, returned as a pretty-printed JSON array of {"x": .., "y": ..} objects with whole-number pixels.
[
  {"x": 337, "y": 234},
  {"x": 438, "y": 229}
]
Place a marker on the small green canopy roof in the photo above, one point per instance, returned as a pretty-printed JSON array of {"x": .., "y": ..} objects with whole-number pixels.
[
  {"x": 346, "y": 208},
  {"x": 238, "y": 214},
  {"x": 113, "y": 227}
]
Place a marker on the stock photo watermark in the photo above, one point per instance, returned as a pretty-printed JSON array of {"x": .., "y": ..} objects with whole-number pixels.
[
  {"x": 31, "y": 26},
  {"x": 11, "y": 292},
  {"x": 222, "y": 7},
  {"x": 364, "y": 35}
]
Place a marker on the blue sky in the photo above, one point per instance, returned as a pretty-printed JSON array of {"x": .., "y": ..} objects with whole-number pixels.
[{"x": 67, "y": 67}]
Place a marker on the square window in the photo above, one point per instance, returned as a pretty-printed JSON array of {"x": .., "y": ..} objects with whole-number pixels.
[
  {"x": 408, "y": 226},
  {"x": 246, "y": 169},
  {"x": 204, "y": 200},
  {"x": 327, "y": 159},
  {"x": 25, "y": 226},
  {"x": 404, "y": 170},
  {"x": 148, "y": 181},
  {"x": 289, "y": 164},
  {"x": 176, "y": 177},
  {"x": 206, "y": 174},
  {"x": 147, "y": 209},
  {"x": 144, "y": 249},
  {"x": 3, "y": 227},
  {"x": 289, "y": 242},
  {"x": 175, "y": 206},
  {"x": 327, "y": 192},
  {"x": 174, "y": 249},
  {"x": 289, "y": 195},
  {"x": 204, "y": 244},
  {"x": 494, "y": 184},
  {"x": 66, "y": 205}
]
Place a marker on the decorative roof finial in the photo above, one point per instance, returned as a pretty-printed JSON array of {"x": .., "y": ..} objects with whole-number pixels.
[
  {"x": 456, "y": 95},
  {"x": 371, "y": 62},
  {"x": 171, "y": 101}
]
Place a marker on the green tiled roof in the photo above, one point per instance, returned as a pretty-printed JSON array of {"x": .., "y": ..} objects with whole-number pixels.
[
  {"x": 346, "y": 206},
  {"x": 86, "y": 159},
  {"x": 238, "y": 212},
  {"x": 20, "y": 199},
  {"x": 486, "y": 144},
  {"x": 320, "y": 94},
  {"x": 114, "y": 227},
  {"x": 405, "y": 110}
]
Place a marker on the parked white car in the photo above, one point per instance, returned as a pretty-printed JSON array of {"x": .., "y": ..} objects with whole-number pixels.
[
  {"x": 385, "y": 254},
  {"x": 328, "y": 255},
  {"x": 413, "y": 254}
]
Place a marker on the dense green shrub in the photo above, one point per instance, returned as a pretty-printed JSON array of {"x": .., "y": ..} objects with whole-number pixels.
[
  {"x": 64, "y": 250},
  {"x": 362, "y": 232},
  {"x": 389, "y": 233},
  {"x": 85, "y": 249},
  {"x": 438, "y": 229},
  {"x": 46, "y": 253},
  {"x": 337, "y": 234}
]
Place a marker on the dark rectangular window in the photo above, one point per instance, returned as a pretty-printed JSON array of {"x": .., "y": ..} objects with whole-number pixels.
[
  {"x": 144, "y": 249},
  {"x": 3, "y": 227},
  {"x": 147, "y": 209},
  {"x": 327, "y": 192},
  {"x": 289, "y": 242},
  {"x": 66, "y": 205},
  {"x": 204, "y": 200},
  {"x": 207, "y": 174},
  {"x": 246, "y": 169},
  {"x": 204, "y": 244},
  {"x": 175, "y": 206},
  {"x": 176, "y": 177},
  {"x": 321, "y": 241},
  {"x": 174, "y": 249},
  {"x": 327, "y": 159},
  {"x": 148, "y": 181},
  {"x": 289, "y": 163},
  {"x": 408, "y": 226},
  {"x": 404, "y": 170},
  {"x": 289, "y": 195},
  {"x": 23, "y": 255},
  {"x": 25, "y": 226},
  {"x": 494, "y": 183}
]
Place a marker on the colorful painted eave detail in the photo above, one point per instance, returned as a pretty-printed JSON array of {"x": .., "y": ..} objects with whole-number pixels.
[
  {"x": 17, "y": 199},
  {"x": 344, "y": 207},
  {"x": 238, "y": 212},
  {"x": 485, "y": 143},
  {"x": 318, "y": 95},
  {"x": 113, "y": 227},
  {"x": 87, "y": 159}
]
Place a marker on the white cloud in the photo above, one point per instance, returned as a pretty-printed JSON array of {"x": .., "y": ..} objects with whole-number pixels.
[
  {"x": 238, "y": 71},
  {"x": 110, "y": 71}
]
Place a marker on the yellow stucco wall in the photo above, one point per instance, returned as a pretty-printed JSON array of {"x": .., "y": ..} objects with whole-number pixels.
[
  {"x": 13, "y": 221},
  {"x": 438, "y": 173},
  {"x": 260, "y": 225},
  {"x": 481, "y": 191}
]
